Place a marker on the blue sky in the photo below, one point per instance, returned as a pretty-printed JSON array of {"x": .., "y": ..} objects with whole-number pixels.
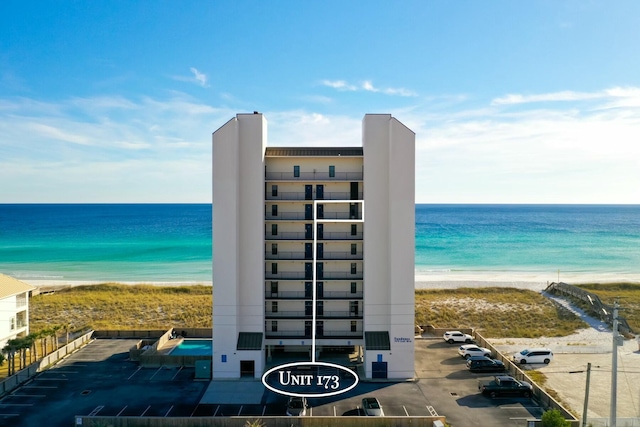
[{"x": 511, "y": 102}]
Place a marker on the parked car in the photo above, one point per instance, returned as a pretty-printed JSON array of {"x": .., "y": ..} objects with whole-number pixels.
[
  {"x": 468, "y": 350},
  {"x": 457, "y": 336},
  {"x": 372, "y": 407},
  {"x": 297, "y": 406},
  {"x": 504, "y": 385},
  {"x": 484, "y": 364},
  {"x": 533, "y": 355}
]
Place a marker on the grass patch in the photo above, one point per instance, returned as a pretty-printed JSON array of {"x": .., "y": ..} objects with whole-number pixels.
[
  {"x": 114, "y": 306},
  {"x": 627, "y": 294},
  {"x": 495, "y": 312}
]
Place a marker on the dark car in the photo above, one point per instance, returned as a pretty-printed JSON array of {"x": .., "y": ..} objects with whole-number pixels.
[
  {"x": 297, "y": 407},
  {"x": 485, "y": 364}
]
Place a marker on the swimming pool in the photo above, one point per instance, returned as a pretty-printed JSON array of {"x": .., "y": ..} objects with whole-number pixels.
[{"x": 193, "y": 347}]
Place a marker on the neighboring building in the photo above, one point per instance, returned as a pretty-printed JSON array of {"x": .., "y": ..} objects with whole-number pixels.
[
  {"x": 14, "y": 309},
  {"x": 270, "y": 205}
]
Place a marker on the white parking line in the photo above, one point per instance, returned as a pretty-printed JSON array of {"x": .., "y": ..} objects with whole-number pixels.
[
  {"x": 335, "y": 414},
  {"x": 159, "y": 369},
  {"x": 121, "y": 411},
  {"x": 140, "y": 367},
  {"x": 95, "y": 411},
  {"x": 167, "y": 414},
  {"x": 174, "y": 377},
  {"x": 264, "y": 408},
  {"x": 214, "y": 414},
  {"x": 405, "y": 410},
  {"x": 145, "y": 411},
  {"x": 240, "y": 410}
]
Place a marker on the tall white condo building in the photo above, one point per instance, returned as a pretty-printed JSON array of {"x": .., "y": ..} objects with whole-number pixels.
[{"x": 313, "y": 244}]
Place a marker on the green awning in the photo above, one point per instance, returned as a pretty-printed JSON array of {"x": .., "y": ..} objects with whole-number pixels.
[
  {"x": 249, "y": 341},
  {"x": 377, "y": 340}
]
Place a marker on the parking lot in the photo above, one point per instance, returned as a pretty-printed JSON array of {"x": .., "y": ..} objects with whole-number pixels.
[{"x": 100, "y": 380}]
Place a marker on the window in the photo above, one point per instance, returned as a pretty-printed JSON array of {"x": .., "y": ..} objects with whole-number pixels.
[
  {"x": 354, "y": 229},
  {"x": 21, "y": 300},
  {"x": 354, "y": 249},
  {"x": 353, "y": 268},
  {"x": 274, "y": 249},
  {"x": 332, "y": 171},
  {"x": 274, "y": 326},
  {"x": 274, "y": 306},
  {"x": 274, "y": 229},
  {"x": 274, "y": 191},
  {"x": 274, "y": 210},
  {"x": 354, "y": 287},
  {"x": 274, "y": 268},
  {"x": 353, "y": 308},
  {"x": 13, "y": 323},
  {"x": 296, "y": 171},
  {"x": 354, "y": 326},
  {"x": 274, "y": 288}
]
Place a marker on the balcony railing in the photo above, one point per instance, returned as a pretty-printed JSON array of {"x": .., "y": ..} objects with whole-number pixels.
[
  {"x": 324, "y": 334},
  {"x": 313, "y": 176},
  {"x": 335, "y": 275},
  {"x": 301, "y": 235},
  {"x": 307, "y": 296},
  {"x": 301, "y": 195},
  {"x": 288, "y": 216},
  {"x": 303, "y": 314},
  {"x": 346, "y": 255}
]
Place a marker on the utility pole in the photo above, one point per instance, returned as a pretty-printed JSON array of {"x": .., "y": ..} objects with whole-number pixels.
[
  {"x": 617, "y": 340},
  {"x": 586, "y": 396}
]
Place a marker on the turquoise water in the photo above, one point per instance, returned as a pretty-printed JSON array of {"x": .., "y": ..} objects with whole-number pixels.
[
  {"x": 193, "y": 348},
  {"x": 172, "y": 242}
]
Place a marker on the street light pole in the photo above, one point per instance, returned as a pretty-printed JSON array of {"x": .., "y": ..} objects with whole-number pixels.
[
  {"x": 586, "y": 396},
  {"x": 614, "y": 366}
]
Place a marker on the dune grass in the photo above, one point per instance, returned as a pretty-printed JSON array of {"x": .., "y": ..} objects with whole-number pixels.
[
  {"x": 495, "y": 312},
  {"x": 627, "y": 295},
  {"x": 115, "y": 306}
]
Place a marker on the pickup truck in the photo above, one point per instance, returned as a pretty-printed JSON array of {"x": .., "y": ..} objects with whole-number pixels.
[{"x": 504, "y": 385}]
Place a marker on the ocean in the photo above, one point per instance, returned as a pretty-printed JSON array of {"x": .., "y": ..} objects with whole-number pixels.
[{"x": 171, "y": 243}]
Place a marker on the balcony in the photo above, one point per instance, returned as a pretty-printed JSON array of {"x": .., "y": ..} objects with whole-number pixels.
[
  {"x": 302, "y": 235},
  {"x": 294, "y": 216},
  {"x": 301, "y": 275},
  {"x": 313, "y": 176},
  {"x": 302, "y": 295},
  {"x": 300, "y": 334},
  {"x": 302, "y": 196},
  {"x": 340, "y": 255},
  {"x": 304, "y": 314}
]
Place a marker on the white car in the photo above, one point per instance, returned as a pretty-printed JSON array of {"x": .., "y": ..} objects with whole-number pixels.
[
  {"x": 468, "y": 350},
  {"x": 371, "y": 407},
  {"x": 457, "y": 336}
]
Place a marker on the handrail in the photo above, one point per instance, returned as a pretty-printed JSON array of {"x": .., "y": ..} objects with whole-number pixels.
[{"x": 593, "y": 302}]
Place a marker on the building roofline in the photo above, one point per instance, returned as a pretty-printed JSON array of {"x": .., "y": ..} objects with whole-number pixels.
[{"x": 314, "y": 152}]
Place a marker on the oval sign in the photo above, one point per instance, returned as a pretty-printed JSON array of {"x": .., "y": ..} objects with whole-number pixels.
[{"x": 310, "y": 379}]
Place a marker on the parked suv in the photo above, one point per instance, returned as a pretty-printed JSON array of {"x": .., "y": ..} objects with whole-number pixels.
[{"x": 533, "y": 355}]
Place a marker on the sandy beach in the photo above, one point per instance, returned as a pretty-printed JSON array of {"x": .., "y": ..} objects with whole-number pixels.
[{"x": 534, "y": 281}]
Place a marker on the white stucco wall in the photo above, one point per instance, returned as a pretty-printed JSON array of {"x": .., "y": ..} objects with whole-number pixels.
[
  {"x": 238, "y": 236},
  {"x": 389, "y": 239}
]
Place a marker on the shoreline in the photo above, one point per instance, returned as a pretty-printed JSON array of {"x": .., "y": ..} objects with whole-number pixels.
[{"x": 423, "y": 280}]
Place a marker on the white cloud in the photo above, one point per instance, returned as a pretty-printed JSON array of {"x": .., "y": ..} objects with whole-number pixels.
[
  {"x": 197, "y": 77},
  {"x": 367, "y": 86}
]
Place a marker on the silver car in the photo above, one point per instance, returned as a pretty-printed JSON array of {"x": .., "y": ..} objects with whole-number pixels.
[
  {"x": 297, "y": 406},
  {"x": 372, "y": 407}
]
